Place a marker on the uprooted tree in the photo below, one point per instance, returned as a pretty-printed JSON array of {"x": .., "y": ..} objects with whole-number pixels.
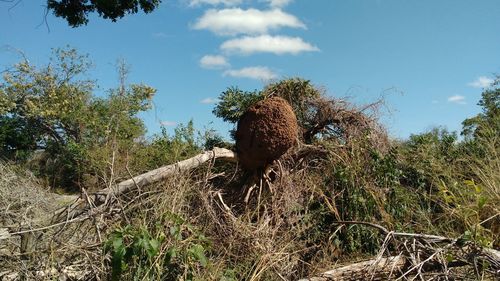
[
  {"x": 341, "y": 190},
  {"x": 318, "y": 116}
]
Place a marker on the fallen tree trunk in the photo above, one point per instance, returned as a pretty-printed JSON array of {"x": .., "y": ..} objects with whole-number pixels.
[
  {"x": 89, "y": 204},
  {"x": 430, "y": 253},
  {"x": 96, "y": 200},
  {"x": 375, "y": 269},
  {"x": 406, "y": 265},
  {"x": 397, "y": 267}
]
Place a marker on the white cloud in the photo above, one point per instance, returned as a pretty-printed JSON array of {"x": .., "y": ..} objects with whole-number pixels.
[
  {"x": 458, "y": 99},
  {"x": 254, "y": 72},
  {"x": 252, "y": 21},
  {"x": 435, "y": 101},
  {"x": 168, "y": 123},
  {"x": 213, "y": 62},
  {"x": 209, "y": 101},
  {"x": 278, "y": 3},
  {"x": 267, "y": 44},
  {"x": 194, "y": 3},
  {"x": 481, "y": 82}
]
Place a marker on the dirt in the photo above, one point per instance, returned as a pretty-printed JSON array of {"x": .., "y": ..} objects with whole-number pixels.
[{"x": 265, "y": 132}]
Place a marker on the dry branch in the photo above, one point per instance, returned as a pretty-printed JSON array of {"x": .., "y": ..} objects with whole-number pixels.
[
  {"x": 104, "y": 196},
  {"x": 374, "y": 269},
  {"x": 426, "y": 255},
  {"x": 397, "y": 267},
  {"x": 88, "y": 205}
]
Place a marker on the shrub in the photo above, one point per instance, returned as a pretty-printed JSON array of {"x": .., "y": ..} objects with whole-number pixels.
[{"x": 53, "y": 109}]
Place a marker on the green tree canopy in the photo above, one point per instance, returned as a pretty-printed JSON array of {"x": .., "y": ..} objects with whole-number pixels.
[
  {"x": 486, "y": 123},
  {"x": 76, "y": 11},
  {"x": 53, "y": 109}
]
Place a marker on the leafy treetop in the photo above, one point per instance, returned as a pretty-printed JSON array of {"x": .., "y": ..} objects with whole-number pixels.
[
  {"x": 52, "y": 109},
  {"x": 487, "y": 122},
  {"x": 76, "y": 11}
]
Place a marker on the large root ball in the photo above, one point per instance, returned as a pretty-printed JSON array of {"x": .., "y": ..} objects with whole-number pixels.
[{"x": 265, "y": 132}]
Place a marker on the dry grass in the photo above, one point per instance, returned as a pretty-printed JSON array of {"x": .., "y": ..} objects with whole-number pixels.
[{"x": 279, "y": 226}]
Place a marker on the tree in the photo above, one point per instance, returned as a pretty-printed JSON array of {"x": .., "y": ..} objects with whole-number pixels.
[
  {"x": 234, "y": 102},
  {"x": 486, "y": 123},
  {"x": 53, "y": 109},
  {"x": 76, "y": 11},
  {"x": 41, "y": 106},
  {"x": 298, "y": 92},
  {"x": 317, "y": 115}
]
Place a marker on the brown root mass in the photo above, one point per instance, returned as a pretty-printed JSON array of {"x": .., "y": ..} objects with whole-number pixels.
[{"x": 265, "y": 132}]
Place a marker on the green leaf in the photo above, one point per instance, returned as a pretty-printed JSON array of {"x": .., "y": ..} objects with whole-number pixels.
[
  {"x": 175, "y": 231},
  {"x": 170, "y": 255},
  {"x": 481, "y": 201},
  {"x": 154, "y": 246},
  {"x": 449, "y": 257},
  {"x": 198, "y": 253}
]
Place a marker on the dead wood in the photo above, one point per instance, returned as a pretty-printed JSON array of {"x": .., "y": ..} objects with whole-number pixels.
[
  {"x": 418, "y": 256},
  {"x": 99, "y": 199},
  {"x": 374, "y": 269},
  {"x": 88, "y": 205}
]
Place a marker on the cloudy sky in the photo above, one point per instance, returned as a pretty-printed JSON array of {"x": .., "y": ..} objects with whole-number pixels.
[{"x": 430, "y": 59}]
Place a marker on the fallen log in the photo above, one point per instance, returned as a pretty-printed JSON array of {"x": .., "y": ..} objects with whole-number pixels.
[
  {"x": 375, "y": 269},
  {"x": 400, "y": 266},
  {"x": 87, "y": 205},
  {"x": 412, "y": 263},
  {"x": 98, "y": 199}
]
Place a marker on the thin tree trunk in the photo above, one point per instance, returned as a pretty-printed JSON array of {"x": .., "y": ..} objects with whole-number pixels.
[{"x": 81, "y": 205}]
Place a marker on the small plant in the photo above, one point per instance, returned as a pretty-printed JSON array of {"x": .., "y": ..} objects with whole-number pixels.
[
  {"x": 172, "y": 252},
  {"x": 128, "y": 245},
  {"x": 187, "y": 250}
]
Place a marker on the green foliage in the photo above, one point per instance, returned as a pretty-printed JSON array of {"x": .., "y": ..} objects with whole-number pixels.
[
  {"x": 188, "y": 249},
  {"x": 127, "y": 245},
  {"x": 457, "y": 181},
  {"x": 16, "y": 131},
  {"x": 299, "y": 93},
  {"x": 166, "y": 253},
  {"x": 211, "y": 138},
  {"x": 163, "y": 149},
  {"x": 482, "y": 124},
  {"x": 361, "y": 184},
  {"x": 234, "y": 102},
  {"x": 53, "y": 109},
  {"x": 76, "y": 11},
  {"x": 432, "y": 150},
  {"x": 45, "y": 101}
]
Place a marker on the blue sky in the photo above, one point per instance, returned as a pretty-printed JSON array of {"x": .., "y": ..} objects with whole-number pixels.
[{"x": 429, "y": 58}]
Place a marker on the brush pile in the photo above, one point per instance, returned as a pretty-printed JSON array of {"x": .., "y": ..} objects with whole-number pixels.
[{"x": 340, "y": 196}]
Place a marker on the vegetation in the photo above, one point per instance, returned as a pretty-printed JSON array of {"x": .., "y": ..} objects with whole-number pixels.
[
  {"x": 76, "y": 12},
  {"x": 205, "y": 224},
  {"x": 51, "y": 119}
]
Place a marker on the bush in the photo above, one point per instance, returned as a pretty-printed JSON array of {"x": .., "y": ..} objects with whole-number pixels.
[{"x": 53, "y": 109}]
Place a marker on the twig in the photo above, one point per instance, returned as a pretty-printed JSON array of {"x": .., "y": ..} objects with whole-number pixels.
[
  {"x": 436, "y": 238},
  {"x": 219, "y": 195},
  {"x": 94, "y": 220},
  {"x": 379, "y": 227},
  {"x": 419, "y": 266},
  {"x": 132, "y": 178},
  {"x": 50, "y": 226}
]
